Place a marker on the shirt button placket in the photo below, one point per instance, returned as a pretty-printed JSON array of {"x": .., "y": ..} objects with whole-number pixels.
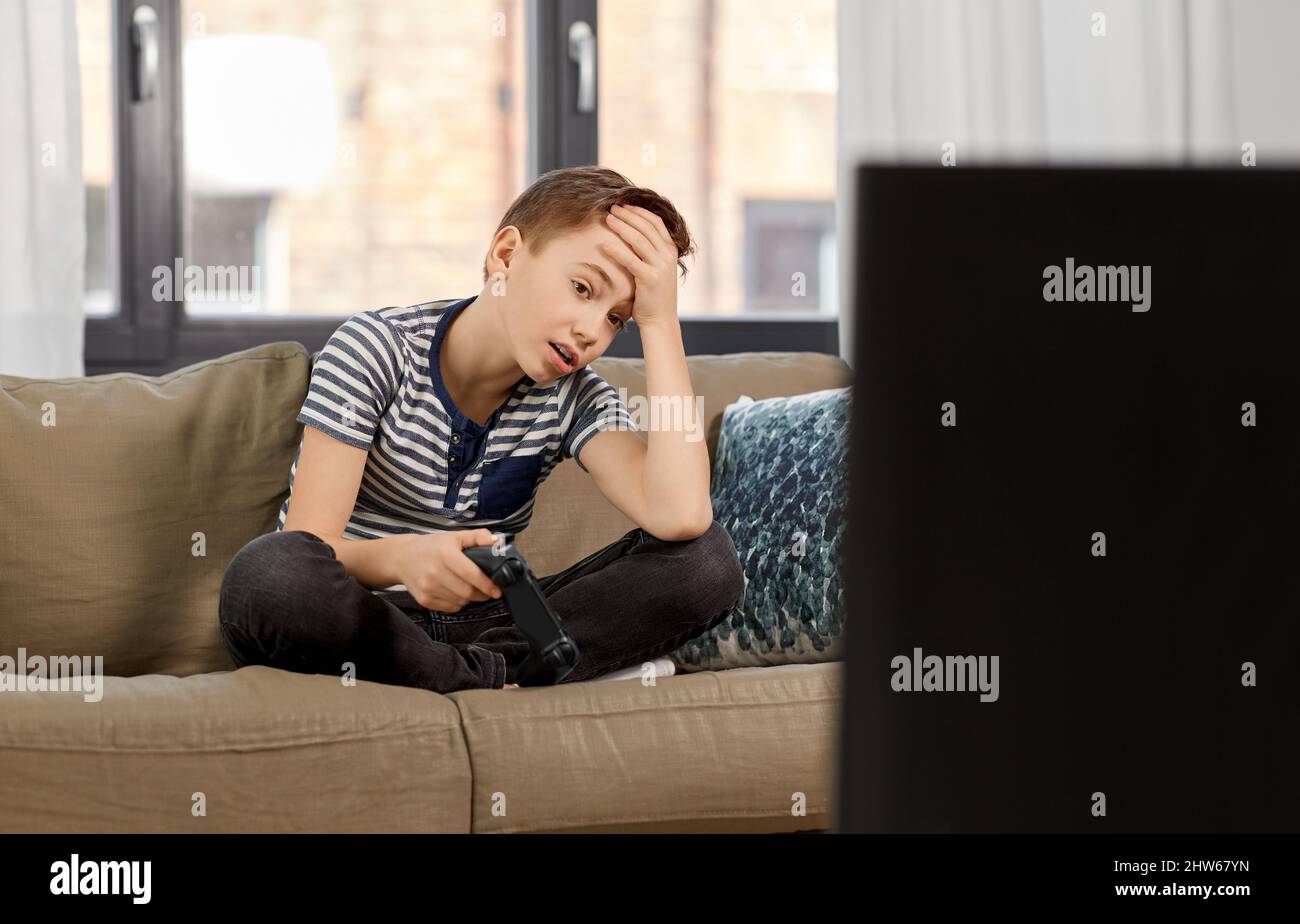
[{"x": 452, "y": 460}]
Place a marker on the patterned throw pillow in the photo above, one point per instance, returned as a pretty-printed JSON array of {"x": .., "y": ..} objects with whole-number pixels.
[{"x": 780, "y": 486}]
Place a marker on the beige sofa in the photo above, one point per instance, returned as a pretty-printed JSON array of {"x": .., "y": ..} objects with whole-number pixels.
[{"x": 123, "y": 499}]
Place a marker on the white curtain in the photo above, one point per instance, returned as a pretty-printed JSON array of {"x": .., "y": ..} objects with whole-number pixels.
[
  {"x": 1047, "y": 81},
  {"x": 42, "y": 193}
]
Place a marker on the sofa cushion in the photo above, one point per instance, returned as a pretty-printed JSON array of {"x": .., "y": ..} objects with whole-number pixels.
[
  {"x": 748, "y": 750},
  {"x": 271, "y": 751},
  {"x": 780, "y": 488},
  {"x": 125, "y": 496}
]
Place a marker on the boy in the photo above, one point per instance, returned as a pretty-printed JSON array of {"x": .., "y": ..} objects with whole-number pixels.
[{"x": 429, "y": 428}]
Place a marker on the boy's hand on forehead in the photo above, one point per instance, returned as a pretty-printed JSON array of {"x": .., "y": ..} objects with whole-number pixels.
[{"x": 645, "y": 250}]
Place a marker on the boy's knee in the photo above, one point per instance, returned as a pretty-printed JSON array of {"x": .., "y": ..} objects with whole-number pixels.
[
  {"x": 269, "y": 566},
  {"x": 266, "y": 592},
  {"x": 717, "y": 576}
]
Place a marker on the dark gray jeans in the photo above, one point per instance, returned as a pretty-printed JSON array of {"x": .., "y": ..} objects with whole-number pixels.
[{"x": 288, "y": 602}]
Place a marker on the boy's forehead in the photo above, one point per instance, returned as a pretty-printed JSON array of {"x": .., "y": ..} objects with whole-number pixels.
[
  {"x": 579, "y": 246},
  {"x": 580, "y": 243}
]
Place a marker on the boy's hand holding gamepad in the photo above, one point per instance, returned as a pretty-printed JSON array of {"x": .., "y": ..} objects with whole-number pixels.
[{"x": 438, "y": 574}]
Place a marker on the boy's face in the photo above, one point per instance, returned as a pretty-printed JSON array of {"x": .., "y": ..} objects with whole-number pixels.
[{"x": 560, "y": 297}]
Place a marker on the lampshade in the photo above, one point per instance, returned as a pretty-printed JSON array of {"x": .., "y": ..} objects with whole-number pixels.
[{"x": 260, "y": 114}]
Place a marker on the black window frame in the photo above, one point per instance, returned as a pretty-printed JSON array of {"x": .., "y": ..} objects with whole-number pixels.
[{"x": 147, "y": 212}]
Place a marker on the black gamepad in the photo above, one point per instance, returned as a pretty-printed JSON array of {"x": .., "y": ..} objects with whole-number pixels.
[{"x": 554, "y": 654}]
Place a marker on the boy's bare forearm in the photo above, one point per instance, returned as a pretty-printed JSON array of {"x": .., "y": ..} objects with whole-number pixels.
[
  {"x": 370, "y": 561},
  {"x": 677, "y": 457}
]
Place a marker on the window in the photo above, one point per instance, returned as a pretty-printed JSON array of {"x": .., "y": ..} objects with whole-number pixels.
[
  {"x": 348, "y": 155},
  {"x": 94, "y": 51},
  {"x": 283, "y": 166},
  {"x": 790, "y": 256},
  {"x": 718, "y": 105},
  {"x": 230, "y": 232}
]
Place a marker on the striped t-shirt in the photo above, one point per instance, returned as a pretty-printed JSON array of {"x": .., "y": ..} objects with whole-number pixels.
[{"x": 377, "y": 385}]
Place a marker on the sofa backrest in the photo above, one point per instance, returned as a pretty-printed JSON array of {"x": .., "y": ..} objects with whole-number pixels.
[{"x": 125, "y": 496}]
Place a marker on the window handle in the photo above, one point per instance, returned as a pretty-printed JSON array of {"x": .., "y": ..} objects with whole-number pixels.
[
  {"x": 144, "y": 53},
  {"x": 582, "y": 50}
]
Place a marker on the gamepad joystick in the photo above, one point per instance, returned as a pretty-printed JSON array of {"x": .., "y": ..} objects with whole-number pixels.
[{"x": 554, "y": 654}]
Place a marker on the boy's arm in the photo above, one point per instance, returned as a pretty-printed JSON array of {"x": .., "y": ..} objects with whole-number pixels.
[
  {"x": 352, "y": 382},
  {"x": 324, "y": 492},
  {"x": 663, "y": 484}
]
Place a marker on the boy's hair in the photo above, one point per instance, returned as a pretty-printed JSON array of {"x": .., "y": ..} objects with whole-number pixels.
[{"x": 563, "y": 200}]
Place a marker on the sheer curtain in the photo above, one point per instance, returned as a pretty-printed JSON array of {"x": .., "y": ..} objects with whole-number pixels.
[
  {"x": 1061, "y": 81},
  {"x": 42, "y": 194}
]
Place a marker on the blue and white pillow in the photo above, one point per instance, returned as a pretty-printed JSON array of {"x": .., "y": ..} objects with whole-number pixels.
[{"x": 780, "y": 488}]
